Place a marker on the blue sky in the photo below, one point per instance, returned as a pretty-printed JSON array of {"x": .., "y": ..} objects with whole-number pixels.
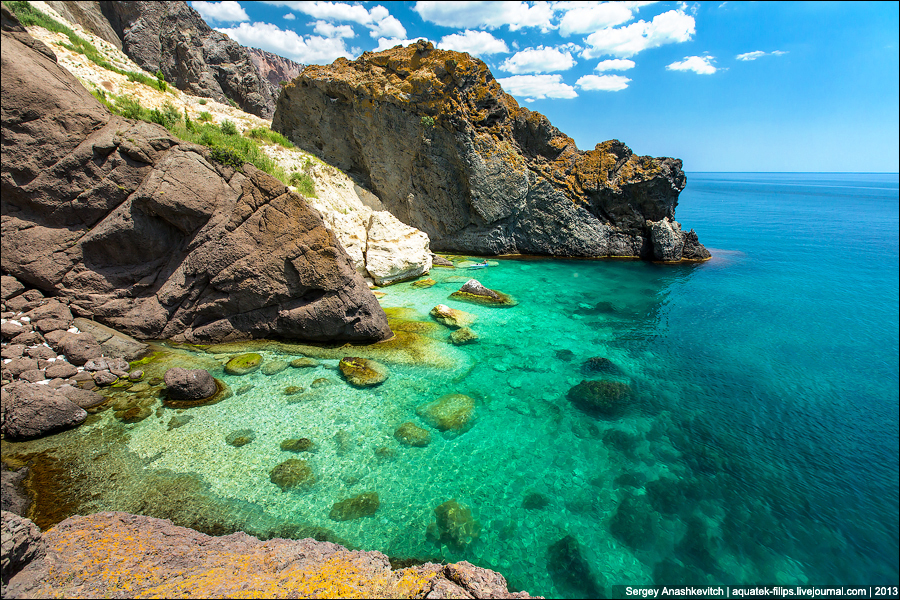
[{"x": 725, "y": 86}]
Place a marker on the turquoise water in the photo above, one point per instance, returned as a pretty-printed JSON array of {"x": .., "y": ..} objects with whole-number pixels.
[{"x": 758, "y": 444}]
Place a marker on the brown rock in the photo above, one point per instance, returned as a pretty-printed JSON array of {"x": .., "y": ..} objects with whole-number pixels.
[
  {"x": 30, "y": 410},
  {"x": 79, "y": 348},
  {"x": 189, "y": 384},
  {"x": 10, "y": 287},
  {"x": 40, "y": 352},
  {"x": 12, "y": 351},
  {"x": 11, "y": 329},
  {"x": 80, "y": 397},
  {"x": 21, "y": 544},
  {"x": 33, "y": 376}
]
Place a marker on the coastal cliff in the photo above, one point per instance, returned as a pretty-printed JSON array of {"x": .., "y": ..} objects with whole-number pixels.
[
  {"x": 152, "y": 235},
  {"x": 434, "y": 136}
]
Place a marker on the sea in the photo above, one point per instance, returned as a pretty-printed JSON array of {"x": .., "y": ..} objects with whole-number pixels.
[{"x": 746, "y": 432}]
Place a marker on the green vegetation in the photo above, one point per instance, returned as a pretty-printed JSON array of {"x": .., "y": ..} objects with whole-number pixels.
[
  {"x": 204, "y": 117},
  {"x": 427, "y": 122},
  {"x": 29, "y": 16},
  {"x": 201, "y": 101},
  {"x": 228, "y": 128},
  {"x": 264, "y": 134},
  {"x": 161, "y": 81},
  {"x": 304, "y": 183}
]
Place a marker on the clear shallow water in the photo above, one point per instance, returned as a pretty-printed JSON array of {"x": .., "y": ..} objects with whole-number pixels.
[{"x": 760, "y": 444}]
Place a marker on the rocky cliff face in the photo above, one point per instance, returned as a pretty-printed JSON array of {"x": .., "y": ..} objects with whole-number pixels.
[
  {"x": 274, "y": 69},
  {"x": 433, "y": 135},
  {"x": 149, "y": 234},
  {"x": 115, "y": 554},
  {"x": 173, "y": 38}
]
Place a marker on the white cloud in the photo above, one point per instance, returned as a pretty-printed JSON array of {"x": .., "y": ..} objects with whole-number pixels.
[
  {"x": 616, "y": 64},
  {"x": 758, "y": 54},
  {"x": 701, "y": 65},
  {"x": 311, "y": 50},
  {"x": 538, "y": 60},
  {"x": 490, "y": 15},
  {"x": 378, "y": 20},
  {"x": 606, "y": 83},
  {"x": 478, "y": 43},
  {"x": 326, "y": 29},
  {"x": 226, "y": 11},
  {"x": 386, "y": 43},
  {"x": 537, "y": 87},
  {"x": 669, "y": 27},
  {"x": 584, "y": 17},
  {"x": 289, "y": 17}
]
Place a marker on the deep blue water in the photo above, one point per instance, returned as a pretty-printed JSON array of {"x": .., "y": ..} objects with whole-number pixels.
[{"x": 758, "y": 442}]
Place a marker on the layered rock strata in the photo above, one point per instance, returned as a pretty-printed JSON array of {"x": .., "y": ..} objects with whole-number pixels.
[
  {"x": 434, "y": 136},
  {"x": 115, "y": 554},
  {"x": 149, "y": 235},
  {"x": 274, "y": 70}
]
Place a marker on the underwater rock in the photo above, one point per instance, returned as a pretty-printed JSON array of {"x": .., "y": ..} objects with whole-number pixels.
[
  {"x": 243, "y": 364},
  {"x": 666, "y": 495},
  {"x": 240, "y": 437},
  {"x": 454, "y": 525},
  {"x": 570, "y": 572},
  {"x": 135, "y": 414},
  {"x": 361, "y": 505},
  {"x": 451, "y": 412},
  {"x": 411, "y": 434},
  {"x": 188, "y": 384},
  {"x": 635, "y": 523},
  {"x": 274, "y": 367},
  {"x": 297, "y": 445},
  {"x": 631, "y": 479},
  {"x": 604, "y": 397},
  {"x": 222, "y": 392},
  {"x": 566, "y": 355},
  {"x": 362, "y": 372},
  {"x": 383, "y": 453},
  {"x": 599, "y": 364},
  {"x": 244, "y": 389},
  {"x": 303, "y": 362},
  {"x": 452, "y": 317},
  {"x": 472, "y": 291},
  {"x": 343, "y": 441},
  {"x": 622, "y": 441},
  {"x": 463, "y": 336},
  {"x": 293, "y": 390},
  {"x": 423, "y": 283},
  {"x": 320, "y": 383},
  {"x": 535, "y": 501},
  {"x": 292, "y": 474},
  {"x": 83, "y": 398},
  {"x": 136, "y": 375},
  {"x": 178, "y": 420}
]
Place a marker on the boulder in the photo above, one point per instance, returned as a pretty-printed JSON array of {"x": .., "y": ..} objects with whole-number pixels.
[
  {"x": 394, "y": 251},
  {"x": 463, "y": 336},
  {"x": 150, "y": 235},
  {"x": 452, "y": 317},
  {"x": 411, "y": 434},
  {"x": 433, "y": 135},
  {"x": 293, "y": 474},
  {"x": 10, "y": 287},
  {"x": 599, "y": 364},
  {"x": 115, "y": 344},
  {"x": 21, "y": 544},
  {"x": 238, "y": 438},
  {"x": 79, "y": 348},
  {"x": 30, "y": 410},
  {"x": 104, "y": 378},
  {"x": 83, "y": 398},
  {"x": 472, "y": 291},
  {"x": 273, "y": 367},
  {"x": 297, "y": 445},
  {"x": 362, "y": 372},
  {"x": 357, "y": 507},
  {"x": 243, "y": 364},
  {"x": 605, "y": 397},
  {"x": 304, "y": 363},
  {"x": 454, "y": 525},
  {"x": 451, "y": 412},
  {"x": 189, "y": 384}
]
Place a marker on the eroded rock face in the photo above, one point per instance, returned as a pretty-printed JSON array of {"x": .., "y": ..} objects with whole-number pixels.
[
  {"x": 158, "y": 558},
  {"x": 434, "y": 136},
  {"x": 148, "y": 235},
  {"x": 274, "y": 70},
  {"x": 21, "y": 544}
]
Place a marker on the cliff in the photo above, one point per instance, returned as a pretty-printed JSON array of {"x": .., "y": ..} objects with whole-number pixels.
[
  {"x": 434, "y": 136},
  {"x": 116, "y": 554},
  {"x": 274, "y": 70},
  {"x": 151, "y": 235}
]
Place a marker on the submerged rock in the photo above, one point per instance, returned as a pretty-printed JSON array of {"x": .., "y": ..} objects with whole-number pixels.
[
  {"x": 179, "y": 421},
  {"x": 535, "y": 501},
  {"x": 604, "y": 397},
  {"x": 243, "y": 364},
  {"x": 463, "y": 336},
  {"x": 273, "y": 367},
  {"x": 297, "y": 445},
  {"x": 423, "y": 283},
  {"x": 454, "y": 525},
  {"x": 362, "y": 372},
  {"x": 293, "y": 474},
  {"x": 472, "y": 291},
  {"x": 361, "y": 505},
  {"x": 411, "y": 434},
  {"x": 451, "y": 412},
  {"x": 599, "y": 364},
  {"x": 452, "y": 317},
  {"x": 221, "y": 393},
  {"x": 240, "y": 437},
  {"x": 188, "y": 384},
  {"x": 304, "y": 363},
  {"x": 635, "y": 523},
  {"x": 570, "y": 571}
]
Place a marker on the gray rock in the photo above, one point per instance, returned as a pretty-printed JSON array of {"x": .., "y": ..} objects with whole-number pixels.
[
  {"x": 79, "y": 348},
  {"x": 30, "y": 410},
  {"x": 189, "y": 384},
  {"x": 21, "y": 544},
  {"x": 459, "y": 159},
  {"x": 149, "y": 235}
]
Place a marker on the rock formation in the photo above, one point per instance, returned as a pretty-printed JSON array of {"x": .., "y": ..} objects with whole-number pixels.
[
  {"x": 434, "y": 136},
  {"x": 172, "y": 37},
  {"x": 274, "y": 70},
  {"x": 148, "y": 234},
  {"x": 115, "y": 554}
]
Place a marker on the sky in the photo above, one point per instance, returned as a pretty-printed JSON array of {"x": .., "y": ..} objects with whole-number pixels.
[{"x": 725, "y": 86}]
